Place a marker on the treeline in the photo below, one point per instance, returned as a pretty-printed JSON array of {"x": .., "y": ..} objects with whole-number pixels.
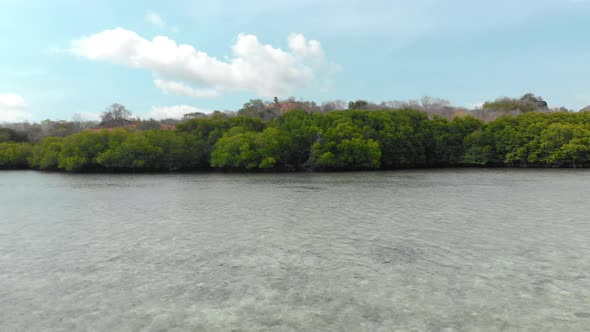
[
  {"x": 299, "y": 140},
  {"x": 118, "y": 116}
]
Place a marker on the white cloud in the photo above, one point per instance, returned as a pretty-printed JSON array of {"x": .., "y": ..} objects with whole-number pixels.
[
  {"x": 154, "y": 19},
  {"x": 178, "y": 88},
  {"x": 255, "y": 67},
  {"x": 172, "y": 112},
  {"x": 12, "y": 101},
  {"x": 311, "y": 51},
  {"x": 13, "y": 108}
]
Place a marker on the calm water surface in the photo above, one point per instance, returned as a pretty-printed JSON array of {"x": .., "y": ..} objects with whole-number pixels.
[{"x": 447, "y": 250}]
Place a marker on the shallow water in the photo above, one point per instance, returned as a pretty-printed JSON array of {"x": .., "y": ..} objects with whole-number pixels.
[{"x": 441, "y": 250}]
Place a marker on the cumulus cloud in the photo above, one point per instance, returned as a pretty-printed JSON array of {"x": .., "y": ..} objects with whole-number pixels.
[
  {"x": 260, "y": 68},
  {"x": 13, "y": 108},
  {"x": 305, "y": 48},
  {"x": 172, "y": 112}
]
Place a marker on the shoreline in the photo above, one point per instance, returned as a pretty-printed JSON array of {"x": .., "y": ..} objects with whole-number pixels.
[{"x": 278, "y": 171}]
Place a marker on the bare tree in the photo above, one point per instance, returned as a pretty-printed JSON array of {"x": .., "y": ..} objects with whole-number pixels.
[
  {"x": 115, "y": 115},
  {"x": 336, "y": 105},
  {"x": 80, "y": 122}
]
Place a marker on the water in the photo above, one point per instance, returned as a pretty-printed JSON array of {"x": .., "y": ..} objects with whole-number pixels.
[{"x": 445, "y": 250}]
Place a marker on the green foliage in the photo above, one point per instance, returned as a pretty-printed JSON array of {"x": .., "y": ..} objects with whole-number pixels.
[
  {"x": 133, "y": 151},
  {"x": 527, "y": 103},
  {"x": 11, "y": 135},
  {"x": 403, "y": 136},
  {"x": 339, "y": 140},
  {"x": 150, "y": 124},
  {"x": 256, "y": 108},
  {"x": 153, "y": 150},
  {"x": 178, "y": 150},
  {"x": 15, "y": 155},
  {"x": 211, "y": 129},
  {"x": 449, "y": 139},
  {"x": 478, "y": 148},
  {"x": 532, "y": 139},
  {"x": 346, "y": 154},
  {"x": 242, "y": 149},
  {"x": 45, "y": 154},
  {"x": 344, "y": 147},
  {"x": 303, "y": 130},
  {"x": 358, "y": 105},
  {"x": 80, "y": 151},
  {"x": 205, "y": 132}
]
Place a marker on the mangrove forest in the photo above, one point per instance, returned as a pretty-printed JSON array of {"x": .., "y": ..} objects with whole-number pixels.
[{"x": 299, "y": 140}]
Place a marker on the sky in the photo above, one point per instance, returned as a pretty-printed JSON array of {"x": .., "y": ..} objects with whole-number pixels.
[{"x": 166, "y": 58}]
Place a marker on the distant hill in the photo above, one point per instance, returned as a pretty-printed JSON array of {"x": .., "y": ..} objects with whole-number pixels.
[{"x": 585, "y": 109}]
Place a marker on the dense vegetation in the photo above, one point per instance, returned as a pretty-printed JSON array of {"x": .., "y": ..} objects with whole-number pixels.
[{"x": 300, "y": 140}]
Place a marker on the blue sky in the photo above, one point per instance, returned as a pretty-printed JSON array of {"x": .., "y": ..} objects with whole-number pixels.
[{"x": 161, "y": 58}]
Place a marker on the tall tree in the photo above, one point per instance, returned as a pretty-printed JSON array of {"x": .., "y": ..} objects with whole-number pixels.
[{"x": 115, "y": 115}]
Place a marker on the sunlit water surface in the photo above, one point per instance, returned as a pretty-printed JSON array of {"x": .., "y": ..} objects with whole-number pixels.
[{"x": 444, "y": 250}]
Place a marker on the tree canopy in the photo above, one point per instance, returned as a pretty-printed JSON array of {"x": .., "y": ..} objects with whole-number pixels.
[{"x": 299, "y": 140}]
